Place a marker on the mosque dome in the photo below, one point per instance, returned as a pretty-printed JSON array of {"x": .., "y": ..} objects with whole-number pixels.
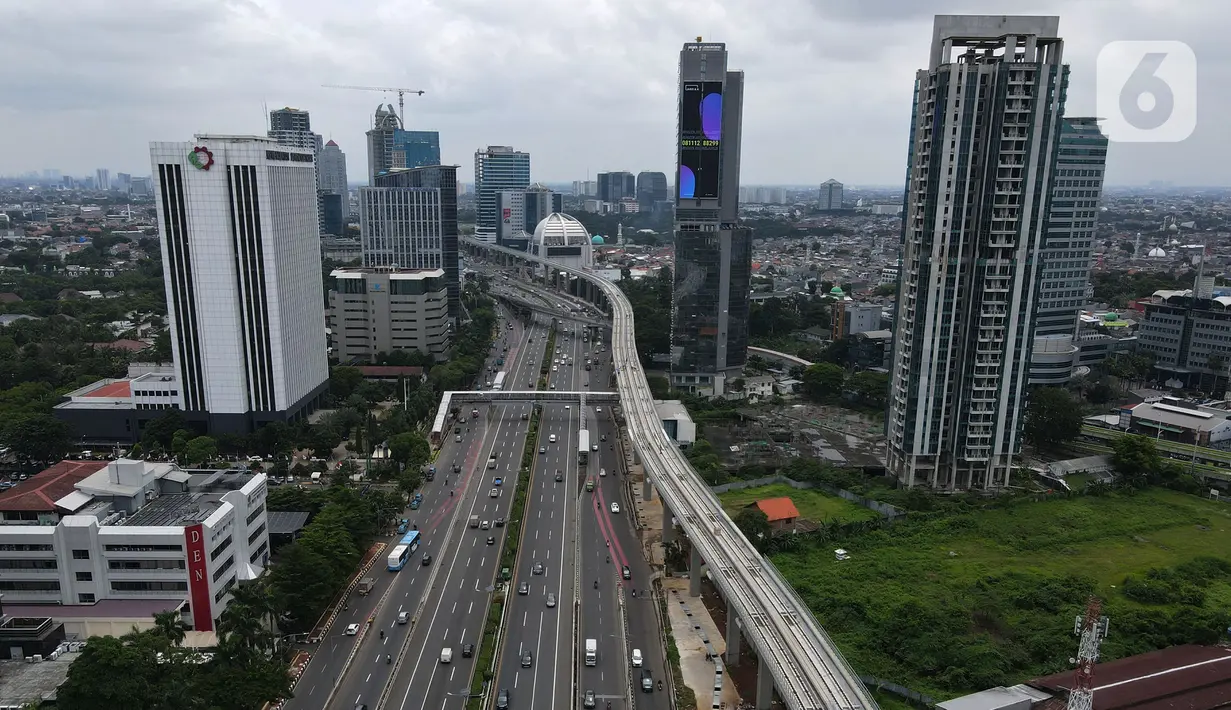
[
  {"x": 560, "y": 230},
  {"x": 1157, "y": 253},
  {"x": 837, "y": 291},
  {"x": 597, "y": 241}
]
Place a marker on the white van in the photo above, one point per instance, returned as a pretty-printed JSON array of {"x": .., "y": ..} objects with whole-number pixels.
[
  {"x": 591, "y": 652},
  {"x": 552, "y": 438},
  {"x": 446, "y": 655},
  {"x": 637, "y": 658}
]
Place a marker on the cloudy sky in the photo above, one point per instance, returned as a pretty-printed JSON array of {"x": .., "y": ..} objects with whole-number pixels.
[{"x": 583, "y": 85}]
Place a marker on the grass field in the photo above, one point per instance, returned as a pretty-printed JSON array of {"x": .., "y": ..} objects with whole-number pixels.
[
  {"x": 815, "y": 505},
  {"x": 961, "y": 603}
]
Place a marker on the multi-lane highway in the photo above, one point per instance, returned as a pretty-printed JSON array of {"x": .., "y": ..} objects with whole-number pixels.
[{"x": 444, "y": 608}]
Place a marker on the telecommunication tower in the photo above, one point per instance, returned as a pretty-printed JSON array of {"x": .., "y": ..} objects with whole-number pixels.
[{"x": 1092, "y": 629}]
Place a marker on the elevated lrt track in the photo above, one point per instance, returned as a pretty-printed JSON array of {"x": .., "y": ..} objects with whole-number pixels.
[{"x": 809, "y": 672}]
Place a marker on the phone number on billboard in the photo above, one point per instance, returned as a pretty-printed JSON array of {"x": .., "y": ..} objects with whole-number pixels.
[{"x": 698, "y": 144}]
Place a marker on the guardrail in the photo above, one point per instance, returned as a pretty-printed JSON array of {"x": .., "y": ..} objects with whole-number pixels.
[{"x": 809, "y": 672}]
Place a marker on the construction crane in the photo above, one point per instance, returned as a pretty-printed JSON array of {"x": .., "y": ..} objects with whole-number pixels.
[
  {"x": 384, "y": 89},
  {"x": 1091, "y": 627}
]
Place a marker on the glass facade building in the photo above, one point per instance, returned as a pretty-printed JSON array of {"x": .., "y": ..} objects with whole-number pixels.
[
  {"x": 409, "y": 221},
  {"x": 415, "y": 149},
  {"x": 713, "y": 251},
  {"x": 496, "y": 169}
]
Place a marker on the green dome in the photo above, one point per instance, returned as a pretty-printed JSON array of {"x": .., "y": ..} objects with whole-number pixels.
[
  {"x": 596, "y": 240},
  {"x": 1111, "y": 316},
  {"x": 837, "y": 291}
]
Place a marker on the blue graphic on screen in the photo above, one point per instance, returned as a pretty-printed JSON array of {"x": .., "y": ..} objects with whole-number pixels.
[{"x": 700, "y": 138}]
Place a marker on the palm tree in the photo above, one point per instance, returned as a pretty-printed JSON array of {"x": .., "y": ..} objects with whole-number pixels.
[
  {"x": 171, "y": 625},
  {"x": 249, "y": 618}
]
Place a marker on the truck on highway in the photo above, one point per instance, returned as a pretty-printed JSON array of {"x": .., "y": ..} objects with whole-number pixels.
[
  {"x": 365, "y": 585},
  {"x": 583, "y": 446},
  {"x": 591, "y": 652}
]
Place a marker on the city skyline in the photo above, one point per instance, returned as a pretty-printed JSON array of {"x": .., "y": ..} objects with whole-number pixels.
[{"x": 841, "y": 68}]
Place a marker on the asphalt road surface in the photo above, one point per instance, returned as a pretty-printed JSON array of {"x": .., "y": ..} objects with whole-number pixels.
[{"x": 360, "y": 665}]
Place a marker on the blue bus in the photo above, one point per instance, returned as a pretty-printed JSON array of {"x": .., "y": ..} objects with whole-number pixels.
[{"x": 402, "y": 551}]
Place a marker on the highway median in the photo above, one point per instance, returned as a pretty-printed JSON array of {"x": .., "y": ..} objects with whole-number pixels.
[{"x": 488, "y": 655}]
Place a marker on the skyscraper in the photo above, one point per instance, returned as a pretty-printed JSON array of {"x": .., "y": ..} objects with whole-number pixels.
[
  {"x": 415, "y": 149},
  {"x": 102, "y": 179},
  {"x": 713, "y": 252},
  {"x": 1064, "y": 284},
  {"x": 242, "y": 266},
  {"x": 409, "y": 220},
  {"x": 651, "y": 190},
  {"x": 983, "y": 141},
  {"x": 331, "y": 165},
  {"x": 292, "y": 126},
  {"x": 831, "y": 195},
  {"x": 613, "y": 187},
  {"x": 497, "y": 168},
  {"x": 380, "y": 142}
]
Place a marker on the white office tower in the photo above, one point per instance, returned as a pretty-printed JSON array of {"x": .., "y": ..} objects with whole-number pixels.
[
  {"x": 242, "y": 265},
  {"x": 984, "y": 136}
]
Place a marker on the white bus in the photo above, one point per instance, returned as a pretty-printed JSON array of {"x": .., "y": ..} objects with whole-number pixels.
[{"x": 498, "y": 383}]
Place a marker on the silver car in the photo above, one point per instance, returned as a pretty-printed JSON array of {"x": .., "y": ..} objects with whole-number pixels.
[{"x": 551, "y": 600}]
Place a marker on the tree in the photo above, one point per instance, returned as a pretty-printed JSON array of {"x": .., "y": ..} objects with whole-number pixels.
[
  {"x": 171, "y": 625},
  {"x": 753, "y": 522},
  {"x": 409, "y": 449},
  {"x": 823, "y": 381},
  {"x": 871, "y": 388},
  {"x": 160, "y": 432},
  {"x": 201, "y": 450},
  {"x": 1136, "y": 459},
  {"x": 303, "y": 582},
  {"x": 1053, "y": 417},
  {"x": 343, "y": 381},
  {"x": 322, "y": 439},
  {"x": 36, "y": 438},
  {"x": 409, "y": 482},
  {"x": 114, "y": 673}
]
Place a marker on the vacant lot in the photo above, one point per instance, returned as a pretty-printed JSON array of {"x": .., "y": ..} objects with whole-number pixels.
[
  {"x": 812, "y": 504},
  {"x": 973, "y": 600}
]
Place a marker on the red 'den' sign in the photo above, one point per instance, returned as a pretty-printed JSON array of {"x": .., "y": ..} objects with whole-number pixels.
[{"x": 198, "y": 579}]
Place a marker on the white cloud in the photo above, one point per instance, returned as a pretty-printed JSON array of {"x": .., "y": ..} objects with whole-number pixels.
[{"x": 584, "y": 85}]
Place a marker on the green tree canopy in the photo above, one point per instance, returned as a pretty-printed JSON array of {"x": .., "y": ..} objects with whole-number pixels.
[{"x": 1053, "y": 418}]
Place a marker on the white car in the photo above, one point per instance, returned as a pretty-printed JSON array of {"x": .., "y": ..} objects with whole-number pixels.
[
  {"x": 637, "y": 659},
  {"x": 615, "y": 507},
  {"x": 602, "y": 473},
  {"x": 594, "y": 447},
  {"x": 555, "y": 368},
  {"x": 568, "y": 407},
  {"x": 552, "y": 438},
  {"x": 599, "y": 410},
  {"x": 446, "y": 655},
  {"x": 352, "y": 629}
]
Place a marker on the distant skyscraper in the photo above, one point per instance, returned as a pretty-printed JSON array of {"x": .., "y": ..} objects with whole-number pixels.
[
  {"x": 292, "y": 126},
  {"x": 380, "y": 142},
  {"x": 102, "y": 179},
  {"x": 242, "y": 266},
  {"x": 652, "y": 190},
  {"x": 520, "y": 211},
  {"x": 613, "y": 187},
  {"x": 585, "y": 188},
  {"x": 495, "y": 169},
  {"x": 409, "y": 220},
  {"x": 331, "y": 165},
  {"x": 415, "y": 149},
  {"x": 1072, "y": 219},
  {"x": 831, "y": 195},
  {"x": 973, "y": 226},
  {"x": 713, "y": 252}
]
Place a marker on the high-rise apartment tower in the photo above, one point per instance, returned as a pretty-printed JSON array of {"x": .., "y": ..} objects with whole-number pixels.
[
  {"x": 241, "y": 261},
  {"x": 983, "y": 141},
  {"x": 713, "y": 252},
  {"x": 831, "y": 195},
  {"x": 292, "y": 126}
]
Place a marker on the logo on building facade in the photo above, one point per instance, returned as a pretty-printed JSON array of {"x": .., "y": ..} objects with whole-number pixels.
[
  {"x": 198, "y": 579},
  {"x": 201, "y": 158}
]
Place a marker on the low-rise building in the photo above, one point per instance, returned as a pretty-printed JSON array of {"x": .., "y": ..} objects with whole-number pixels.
[
  {"x": 81, "y": 532},
  {"x": 381, "y": 310},
  {"x": 676, "y": 422},
  {"x": 780, "y": 512},
  {"x": 1180, "y": 420}
]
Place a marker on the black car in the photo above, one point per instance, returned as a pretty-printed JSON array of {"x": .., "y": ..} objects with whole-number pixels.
[
  {"x": 457, "y": 468},
  {"x": 491, "y": 540},
  {"x": 527, "y": 659},
  {"x": 647, "y": 680},
  {"x": 468, "y": 650},
  {"x": 502, "y": 700},
  {"x": 427, "y": 560},
  {"x": 538, "y": 568},
  {"x": 559, "y": 476},
  {"x": 499, "y": 522},
  {"x": 626, "y": 572}
]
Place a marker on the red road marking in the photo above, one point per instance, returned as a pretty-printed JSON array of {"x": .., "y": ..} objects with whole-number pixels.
[{"x": 608, "y": 531}]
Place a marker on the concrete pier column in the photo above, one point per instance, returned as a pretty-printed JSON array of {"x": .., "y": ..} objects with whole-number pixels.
[
  {"x": 733, "y": 639},
  {"x": 668, "y": 528},
  {"x": 647, "y": 490},
  {"x": 694, "y": 573},
  {"x": 765, "y": 686}
]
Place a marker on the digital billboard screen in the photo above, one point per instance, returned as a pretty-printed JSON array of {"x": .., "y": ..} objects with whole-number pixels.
[{"x": 700, "y": 137}]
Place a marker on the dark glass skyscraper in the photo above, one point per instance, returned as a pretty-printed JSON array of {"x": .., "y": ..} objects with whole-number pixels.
[
  {"x": 415, "y": 149},
  {"x": 713, "y": 252}
]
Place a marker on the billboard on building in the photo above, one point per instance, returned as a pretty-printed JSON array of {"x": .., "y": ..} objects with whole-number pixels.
[
  {"x": 700, "y": 138},
  {"x": 198, "y": 579}
]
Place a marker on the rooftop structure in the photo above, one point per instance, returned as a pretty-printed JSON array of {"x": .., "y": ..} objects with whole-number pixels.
[{"x": 562, "y": 238}]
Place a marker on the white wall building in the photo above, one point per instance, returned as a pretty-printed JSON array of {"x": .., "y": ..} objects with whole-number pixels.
[
  {"x": 676, "y": 422},
  {"x": 241, "y": 260},
  {"x": 133, "y": 530},
  {"x": 385, "y": 310}
]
